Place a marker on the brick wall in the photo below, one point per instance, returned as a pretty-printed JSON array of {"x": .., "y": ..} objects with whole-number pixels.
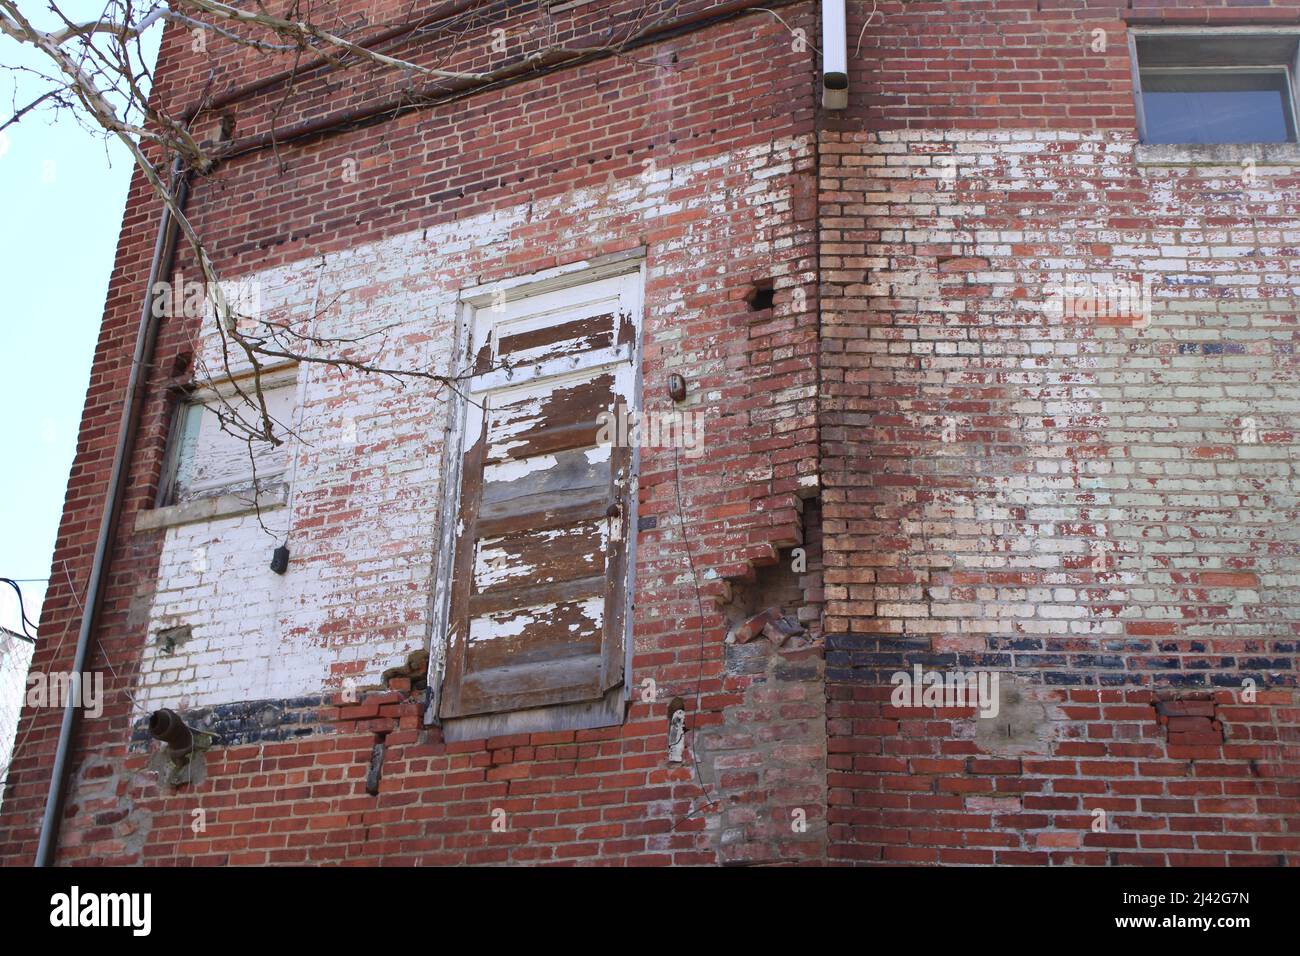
[
  {"x": 546, "y": 172},
  {"x": 1091, "y": 495},
  {"x": 1042, "y": 386}
]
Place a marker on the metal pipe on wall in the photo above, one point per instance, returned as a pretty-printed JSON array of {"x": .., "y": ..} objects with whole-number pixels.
[
  {"x": 835, "y": 56},
  {"x": 163, "y": 252}
]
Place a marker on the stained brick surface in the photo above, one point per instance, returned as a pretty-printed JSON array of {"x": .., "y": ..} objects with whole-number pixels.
[
  {"x": 1093, "y": 501},
  {"x": 700, "y": 148},
  {"x": 1091, "y": 497}
]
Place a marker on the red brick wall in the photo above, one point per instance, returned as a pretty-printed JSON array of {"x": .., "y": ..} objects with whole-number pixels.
[
  {"x": 732, "y": 103},
  {"x": 1095, "y": 510},
  {"x": 1096, "y": 507}
]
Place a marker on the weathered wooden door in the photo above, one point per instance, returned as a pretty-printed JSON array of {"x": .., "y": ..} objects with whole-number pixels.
[{"x": 539, "y": 583}]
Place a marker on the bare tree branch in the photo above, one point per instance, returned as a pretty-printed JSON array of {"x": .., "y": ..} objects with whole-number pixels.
[
  {"x": 18, "y": 114},
  {"x": 100, "y": 75},
  {"x": 303, "y": 28}
]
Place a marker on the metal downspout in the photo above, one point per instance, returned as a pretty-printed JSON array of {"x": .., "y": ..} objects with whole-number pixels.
[{"x": 163, "y": 251}]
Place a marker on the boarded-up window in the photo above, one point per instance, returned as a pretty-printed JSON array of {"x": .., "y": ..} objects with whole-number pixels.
[
  {"x": 211, "y": 452},
  {"x": 539, "y": 582}
]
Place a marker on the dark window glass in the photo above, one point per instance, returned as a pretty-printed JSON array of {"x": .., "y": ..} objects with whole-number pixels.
[{"x": 1217, "y": 107}]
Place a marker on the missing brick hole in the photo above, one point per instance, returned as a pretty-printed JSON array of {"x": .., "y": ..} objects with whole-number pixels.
[
  {"x": 415, "y": 670},
  {"x": 778, "y": 604},
  {"x": 172, "y": 637},
  {"x": 226, "y": 132},
  {"x": 676, "y": 730},
  {"x": 768, "y": 607},
  {"x": 761, "y": 296}
]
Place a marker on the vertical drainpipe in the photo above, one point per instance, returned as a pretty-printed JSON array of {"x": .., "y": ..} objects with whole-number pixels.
[
  {"x": 163, "y": 252},
  {"x": 835, "y": 57}
]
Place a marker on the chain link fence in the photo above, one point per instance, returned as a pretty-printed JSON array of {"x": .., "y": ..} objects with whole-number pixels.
[{"x": 15, "y": 659}]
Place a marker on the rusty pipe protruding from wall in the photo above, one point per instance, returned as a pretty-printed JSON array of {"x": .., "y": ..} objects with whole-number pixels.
[{"x": 167, "y": 726}]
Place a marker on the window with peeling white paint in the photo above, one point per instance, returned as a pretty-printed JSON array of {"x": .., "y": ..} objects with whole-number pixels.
[
  {"x": 536, "y": 587},
  {"x": 212, "y": 451}
]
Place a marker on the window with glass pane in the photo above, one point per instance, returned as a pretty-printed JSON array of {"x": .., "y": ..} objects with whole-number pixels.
[
  {"x": 1210, "y": 86},
  {"x": 211, "y": 458},
  {"x": 1217, "y": 106}
]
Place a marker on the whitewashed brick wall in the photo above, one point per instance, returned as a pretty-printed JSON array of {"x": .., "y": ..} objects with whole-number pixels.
[{"x": 366, "y": 490}]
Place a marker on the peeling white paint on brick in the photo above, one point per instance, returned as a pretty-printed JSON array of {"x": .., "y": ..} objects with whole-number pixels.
[
  {"x": 365, "y": 511},
  {"x": 1118, "y": 458}
]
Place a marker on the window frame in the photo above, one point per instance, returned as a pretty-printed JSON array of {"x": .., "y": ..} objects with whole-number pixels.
[
  {"x": 470, "y": 301},
  {"x": 1290, "y": 67},
  {"x": 194, "y": 395}
]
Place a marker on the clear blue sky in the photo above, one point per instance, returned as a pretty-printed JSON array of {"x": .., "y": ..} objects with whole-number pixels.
[{"x": 61, "y": 199}]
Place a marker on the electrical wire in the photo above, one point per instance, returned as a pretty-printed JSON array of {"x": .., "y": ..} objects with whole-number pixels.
[
  {"x": 27, "y": 625},
  {"x": 699, "y": 673},
  {"x": 301, "y": 398}
]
